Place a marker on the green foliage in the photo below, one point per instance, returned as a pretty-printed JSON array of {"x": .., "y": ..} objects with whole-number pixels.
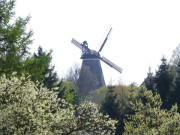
[
  {"x": 68, "y": 91},
  {"x": 124, "y": 97},
  {"x": 35, "y": 67},
  {"x": 46, "y": 72},
  {"x": 110, "y": 105},
  {"x": 14, "y": 39},
  {"x": 175, "y": 71},
  {"x": 164, "y": 83},
  {"x": 14, "y": 46},
  {"x": 6, "y": 11},
  {"x": 176, "y": 93},
  {"x": 149, "y": 82},
  {"x": 101, "y": 94},
  {"x": 175, "y": 59},
  {"x": 149, "y": 118},
  {"x": 26, "y": 108}
]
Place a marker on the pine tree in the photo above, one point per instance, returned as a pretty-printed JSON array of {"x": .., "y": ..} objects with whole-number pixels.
[
  {"x": 49, "y": 76},
  {"x": 175, "y": 59},
  {"x": 110, "y": 106},
  {"x": 149, "y": 81},
  {"x": 50, "y": 79},
  {"x": 176, "y": 93},
  {"x": 14, "y": 40},
  {"x": 177, "y": 81},
  {"x": 164, "y": 81}
]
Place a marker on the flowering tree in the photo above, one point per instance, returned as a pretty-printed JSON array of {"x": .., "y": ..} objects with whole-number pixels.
[{"x": 28, "y": 109}]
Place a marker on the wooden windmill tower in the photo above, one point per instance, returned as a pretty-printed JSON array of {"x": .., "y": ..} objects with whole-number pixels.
[{"x": 91, "y": 61}]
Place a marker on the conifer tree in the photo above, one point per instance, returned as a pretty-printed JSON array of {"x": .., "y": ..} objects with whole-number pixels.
[
  {"x": 164, "y": 81},
  {"x": 14, "y": 39},
  {"x": 149, "y": 81},
  {"x": 14, "y": 45},
  {"x": 175, "y": 59},
  {"x": 49, "y": 76},
  {"x": 176, "y": 93},
  {"x": 178, "y": 78},
  {"x": 110, "y": 106}
]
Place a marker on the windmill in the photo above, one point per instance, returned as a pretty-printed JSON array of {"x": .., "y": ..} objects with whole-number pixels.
[{"x": 91, "y": 59}]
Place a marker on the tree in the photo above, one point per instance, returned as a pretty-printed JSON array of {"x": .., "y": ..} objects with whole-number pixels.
[
  {"x": 36, "y": 67},
  {"x": 124, "y": 97},
  {"x": 73, "y": 73},
  {"x": 98, "y": 95},
  {"x": 118, "y": 101},
  {"x": 90, "y": 120},
  {"x": 44, "y": 73},
  {"x": 149, "y": 118},
  {"x": 149, "y": 81},
  {"x": 175, "y": 59},
  {"x": 14, "y": 39},
  {"x": 164, "y": 83},
  {"x": 68, "y": 92},
  {"x": 175, "y": 67},
  {"x": 49, "y": 77},
  {"x": 26, "y": 108},
  {"x": 111, "y": 106},
  {"x": 176, "y": 92},
  {"x": 14, "y": 45}
]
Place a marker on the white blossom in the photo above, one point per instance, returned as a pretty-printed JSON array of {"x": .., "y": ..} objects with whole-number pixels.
[{"x": 28, "y": 109}]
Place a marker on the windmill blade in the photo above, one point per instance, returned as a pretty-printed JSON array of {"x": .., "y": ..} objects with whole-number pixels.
[
  {"x": 111, "y": 64},
  {"x": 77, "y": 44},
  {"x": 105, "y": 41}
]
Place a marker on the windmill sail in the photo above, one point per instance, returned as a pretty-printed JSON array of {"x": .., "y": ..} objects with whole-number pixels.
[
  {"x": 111, "y": 64},
  {"x": 77, "y": 44},
  {"x": 105, "y": 40}
]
